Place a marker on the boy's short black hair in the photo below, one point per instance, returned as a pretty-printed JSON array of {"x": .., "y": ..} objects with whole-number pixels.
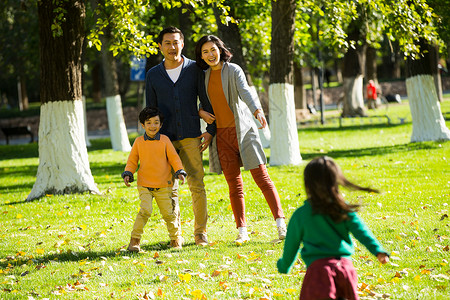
[
  {"x": 170, "y": 29},
  {"x": 150, "y": 112}
]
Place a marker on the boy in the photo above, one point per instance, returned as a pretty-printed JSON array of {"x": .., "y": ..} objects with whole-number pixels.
[{"x": 157, "y": 158}]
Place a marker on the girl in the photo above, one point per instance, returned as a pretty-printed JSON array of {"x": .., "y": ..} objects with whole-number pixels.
[
  {"x": 237, "y": 140},
  {"x": 323, "y": 224}
]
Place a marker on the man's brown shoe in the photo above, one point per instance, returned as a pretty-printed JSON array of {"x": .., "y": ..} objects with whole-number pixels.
[
  {"x": 176, "y": 244},
  {"x": 201, "y": 240},
  {"x": 134, "y": 245}
]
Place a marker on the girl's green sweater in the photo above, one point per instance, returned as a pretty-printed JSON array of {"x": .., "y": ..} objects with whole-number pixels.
[{"x": 323, "y": 238}]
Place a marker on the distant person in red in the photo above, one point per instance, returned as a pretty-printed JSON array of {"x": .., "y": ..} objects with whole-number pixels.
[{"x": 371, "y": 95}]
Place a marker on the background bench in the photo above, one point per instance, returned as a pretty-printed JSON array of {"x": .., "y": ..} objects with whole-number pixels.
[{"x": 17, "y": 130}]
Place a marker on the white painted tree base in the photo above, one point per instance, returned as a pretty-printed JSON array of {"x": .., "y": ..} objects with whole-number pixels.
[
  {"x": 116, "y": 123},
  {"x": 353, "y": 97},
  {"x": 284, "y": 144},
  {"x": 88, "y": 142},
  {"x": 428, "y": 122},
  {"x": 63, "y": 159}
]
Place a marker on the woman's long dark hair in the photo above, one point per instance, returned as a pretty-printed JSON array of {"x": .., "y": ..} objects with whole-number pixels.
[
  {"x": 322, "y": 178},
  {"x": 225, "y": 54}
]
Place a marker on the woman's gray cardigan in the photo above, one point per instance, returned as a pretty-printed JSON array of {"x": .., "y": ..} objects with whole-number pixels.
[{"x": 243, "y": 102}]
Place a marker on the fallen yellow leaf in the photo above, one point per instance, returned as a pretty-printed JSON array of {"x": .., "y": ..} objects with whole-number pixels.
[
  {"x": 19, "y": 216},
  {"x": 395, "y": 280},
  {"x": 198, "y": 294},
  {"x": 291, "y": 291},
  {"x": 40, "y": 251},
  {"x": 185, "y": 277}
]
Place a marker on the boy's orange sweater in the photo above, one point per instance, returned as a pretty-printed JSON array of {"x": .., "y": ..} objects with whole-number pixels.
[{"x": 156, "y": 159}]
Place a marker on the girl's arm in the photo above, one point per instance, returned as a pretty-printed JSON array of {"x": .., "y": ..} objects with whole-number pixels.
[
  {"x": 363, "y": 234},
  {"x": 294, "y": 237}
]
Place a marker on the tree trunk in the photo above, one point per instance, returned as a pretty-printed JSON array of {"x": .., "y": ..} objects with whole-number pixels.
[
  {"x": 186, "y": 27},
  {"x": 338, "y": 70},
  {"x": 353, "y": 74},
  {"x": 63, "y": 159},
  {"x": 371, "y": 64},
  {"x": 428, "y": 122},
  {"x": 391, "y": 62},
  {"x": 299, "y": 88},
  {"x": 22, "y": 93},
  {"x": 284, "y": 144},
  {"x": 116, "y": 122},
  {"x": 434, "y": 57},
  {"x": 96, "y": 83},
  {"x": 229, "y": 33},
  {"x": 123, "y": 78}
]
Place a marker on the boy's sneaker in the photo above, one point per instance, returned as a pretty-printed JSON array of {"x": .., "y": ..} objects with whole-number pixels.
[
  {"x": 201, "y": 240},
  {"x": 241, "y": 239},
  {"x": 176, "y": 244},
  {"x": 282, "y": 232},
  {"x": 134, "y": 245}
]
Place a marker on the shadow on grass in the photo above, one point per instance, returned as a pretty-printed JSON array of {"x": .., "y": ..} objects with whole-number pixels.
[
  {"x": 19, "y": 151},
  {"x": 375, "y": 151},
  {"x": 74, "y": 256},
  {"x": 353, "y": 127}
]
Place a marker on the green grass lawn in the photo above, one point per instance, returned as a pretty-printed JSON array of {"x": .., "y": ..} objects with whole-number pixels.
[{"x": 72, "y": 246}]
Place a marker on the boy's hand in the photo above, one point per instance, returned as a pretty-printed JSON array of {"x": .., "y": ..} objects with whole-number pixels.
[
  {"x": 181, "y": 178},
  {"x": 206, "y": 116},
  {"x": 126, "y": 179},
  {"x": 383, "y": 258}
]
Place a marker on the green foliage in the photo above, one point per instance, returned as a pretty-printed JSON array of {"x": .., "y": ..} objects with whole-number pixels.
[
  {"x": 124, "y": 21},
  {"x": 59, "y": 17},
  {"x": 72, "y": 246},
  {"x": 408, "y": 22}
]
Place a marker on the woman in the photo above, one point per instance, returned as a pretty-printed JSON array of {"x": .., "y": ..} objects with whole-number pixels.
[{"x": 237, "y": 140}]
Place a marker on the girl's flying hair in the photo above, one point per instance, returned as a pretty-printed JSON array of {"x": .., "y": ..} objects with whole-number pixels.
[{"x": 322, "y": 178}]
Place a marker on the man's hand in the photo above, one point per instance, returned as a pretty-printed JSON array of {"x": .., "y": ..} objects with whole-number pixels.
[
  {"x": 205, "y": 139},
  {"x": 261, "y": 118},
  {"x": 206, "y": 116},
  {"x": 126, "y": 180}
]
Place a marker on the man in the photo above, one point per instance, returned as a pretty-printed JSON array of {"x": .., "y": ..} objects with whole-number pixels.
[{"x": 173, "y": 86}]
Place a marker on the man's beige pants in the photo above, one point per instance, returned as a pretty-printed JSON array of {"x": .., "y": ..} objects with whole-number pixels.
[{"x": 189, "y": 152}]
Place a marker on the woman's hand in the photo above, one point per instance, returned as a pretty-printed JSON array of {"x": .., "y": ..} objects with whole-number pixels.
[
  {"x": 261, "y": 118},
  {"x": 206, "y": 116}
]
